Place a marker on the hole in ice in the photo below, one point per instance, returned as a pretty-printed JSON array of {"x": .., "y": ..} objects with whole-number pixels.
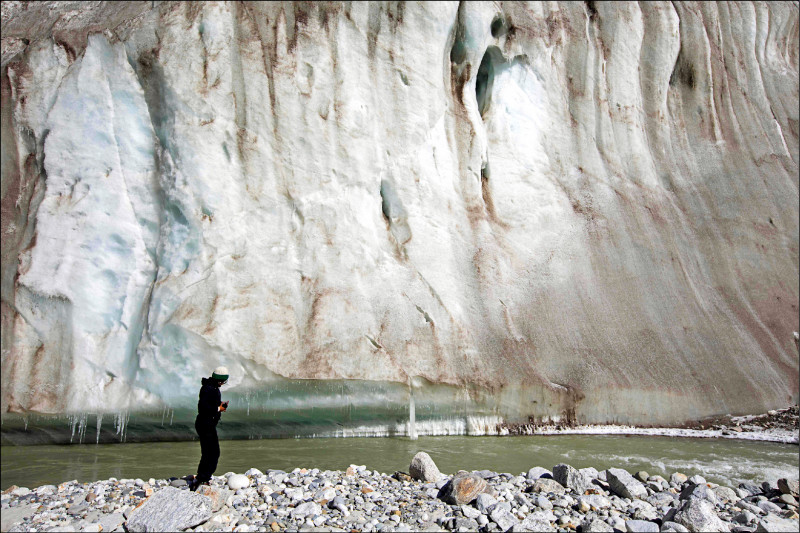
[
  {"x": 499, "y": 26},
  {"x": 176, "y": 213},
  {"x": 485, "y": 78},
  {"x": 458, "y": 53}
]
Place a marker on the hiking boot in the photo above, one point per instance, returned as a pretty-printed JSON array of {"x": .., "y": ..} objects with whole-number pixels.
[{"x": 198, "y": 484}]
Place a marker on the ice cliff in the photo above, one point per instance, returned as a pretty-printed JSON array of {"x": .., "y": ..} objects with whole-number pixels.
[{"x": 579, "y": 209}]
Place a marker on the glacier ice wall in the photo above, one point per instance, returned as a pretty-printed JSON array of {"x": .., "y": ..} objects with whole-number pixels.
[{"x": 580, "y": 209}]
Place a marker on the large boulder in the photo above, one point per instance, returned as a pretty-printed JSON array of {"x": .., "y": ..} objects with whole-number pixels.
[
  {"x": 424, "y": 469},
  {"x": 170, "y": 509},
  {"x": 699, "y": 515},
  {"x": 463, "y": 488},
  {"x": 787, "y": 486},
  {"x": 623, "y": 484},
  {"x": 571, "y": 478},
  {"x": 673, "y": 527}
]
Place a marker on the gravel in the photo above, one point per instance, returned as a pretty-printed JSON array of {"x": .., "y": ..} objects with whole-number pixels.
[{"x": 360, "y": 499}]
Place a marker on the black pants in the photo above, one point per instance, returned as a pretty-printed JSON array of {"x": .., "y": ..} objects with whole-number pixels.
[{"x": 209, "y": 449}]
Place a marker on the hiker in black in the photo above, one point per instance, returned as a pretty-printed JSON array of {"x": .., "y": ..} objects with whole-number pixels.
[{"x": 209, "y": 409}]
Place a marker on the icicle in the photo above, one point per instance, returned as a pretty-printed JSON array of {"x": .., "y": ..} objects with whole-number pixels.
[
  {"x": 412, "y": 417},
  {"x": 121, "y": 425},
  {"x": 25, "y": 419},
  {"x": 82, "y": 427},
  {"x": 73, "y": 421},
  {"x": 99, "y": 423}
]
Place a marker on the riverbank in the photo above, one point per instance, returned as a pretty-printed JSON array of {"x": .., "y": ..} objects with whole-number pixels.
[
  {"x": 560, "y": 499},
  {"x": 781, "y": 425}
]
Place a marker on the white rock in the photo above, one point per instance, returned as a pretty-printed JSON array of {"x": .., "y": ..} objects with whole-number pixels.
[{"x": 238, "y": 481}]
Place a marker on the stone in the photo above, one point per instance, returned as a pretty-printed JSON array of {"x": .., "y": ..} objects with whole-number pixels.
[
  {"x": 531, "y": 523},
  {"x": 697, "y": 480},
  {"x": 643, "y": 526},
  {"x": 643, "y": 510},
  {"x": 536, "y": 472},
  {"x": 78, "y": 508},
  {"x": 571, "y": 478},
  {"x": 463, "y": 488},
  {"x": 641, "y": 475},
  {"x": 623, "y": 484},
  {"x": 217, "y": 496},
  {"x": 595, "y": 526},
  {"x": 777, "y": 524},
  {"x": 238, "y": 481},
  {"x": 750, "y": 488},
  {"x": 698, "y": 491},
  {"x": 660, "y": 499},
  {"x": 678, "y": 478},
  {"x": 788, "y": 499},
  {"x": 112, "y": 521},
  {"x": 769, "y": 507},
  {"x": 595, "y": 501},
  {"x": 423, "y": 468},
  {"x": 745, "y": 517},
  {"x": 170, "y": 509},
  {"x": 254, "y": 472},
  {"x": 547, "y": 485},
  {"x": 178, "y": 483},
  {"x": 306, "y": 509},
  {"x": 16, "y": 514},
  {"x": 590, "y": 472},
  {"x": 787, "y": 486},
  {"x": 673, "y": 527},
  {"x": 470, "y": 512},
  {"x": 699, "y": 515},
  {"x": 725, "y": 494},
  {"x": 484, "y": 501},
  {"x": 503, "y": 518},
  {"x": 402, "y": 476},
  {"x": 543, "y": 502},
  {"x": 327, "y": 494}
]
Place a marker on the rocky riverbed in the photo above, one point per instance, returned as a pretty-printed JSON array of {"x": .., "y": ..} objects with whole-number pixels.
[
  {"x": 780, "y": 425},
  {"x": 358, "y": 499}
]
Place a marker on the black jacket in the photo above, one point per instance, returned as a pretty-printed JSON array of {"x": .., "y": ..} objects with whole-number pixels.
[{"x": 208, "y": 404}]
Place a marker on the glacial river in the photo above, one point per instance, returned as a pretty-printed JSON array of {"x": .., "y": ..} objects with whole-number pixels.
[{"x": 723, "y": 461}]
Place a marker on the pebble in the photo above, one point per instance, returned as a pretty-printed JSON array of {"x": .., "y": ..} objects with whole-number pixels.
[{"x": 365, "y": 500}]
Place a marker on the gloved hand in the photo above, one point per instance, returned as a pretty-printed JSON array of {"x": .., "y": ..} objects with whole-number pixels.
[{"x": 223, "y": 406}]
